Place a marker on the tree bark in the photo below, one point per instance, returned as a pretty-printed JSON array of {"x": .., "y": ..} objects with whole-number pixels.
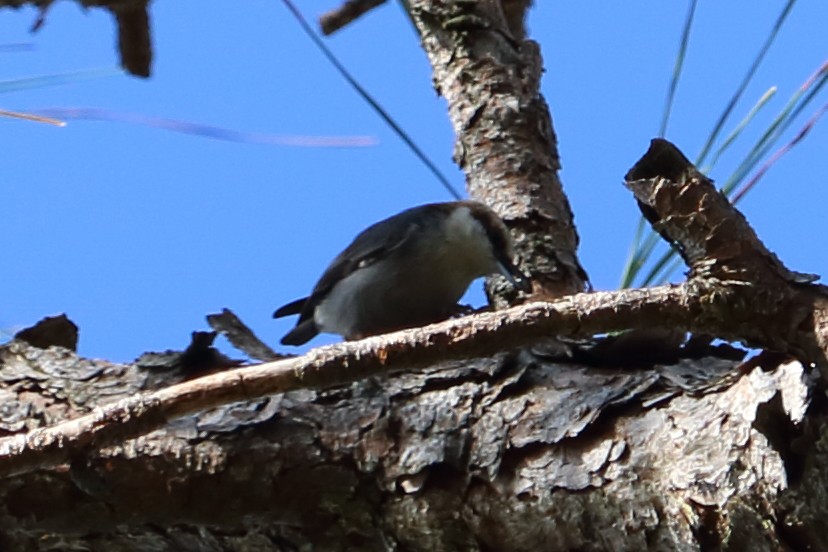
[
  {"x": 520, "y": 451},
  {"x": 641, "y": 441},
  {"x": 490, "y": 76}
]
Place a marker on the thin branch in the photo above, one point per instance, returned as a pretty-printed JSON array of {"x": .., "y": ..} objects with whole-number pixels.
[
  {"x": 349, "y": 11},
  {"x": 739, "y": 291},
  {"x": 687, "y": 307},
  {"x": 241, "y": 337},
  {"x": 480, "y": 335},
  {"x": 31, "y": 117}
]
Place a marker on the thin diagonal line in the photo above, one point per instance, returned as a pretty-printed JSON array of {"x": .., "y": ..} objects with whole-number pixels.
[
  {"x": 371, "y": 101},
  {"x": 677, "y": 67}
]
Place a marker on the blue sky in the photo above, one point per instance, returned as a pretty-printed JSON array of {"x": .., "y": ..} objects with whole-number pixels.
[{"x": 137, "y": 233}]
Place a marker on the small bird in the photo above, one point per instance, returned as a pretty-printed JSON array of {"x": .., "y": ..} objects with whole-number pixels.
[{"x": 405, "y": 271}]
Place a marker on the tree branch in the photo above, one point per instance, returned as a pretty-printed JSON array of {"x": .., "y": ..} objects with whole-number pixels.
[
  {"x": 348, "y": 12},
  {"x": 506, "y": 452},
  {"x": 678, "y": 307},
  {"x": 739, "y": 291},
  {"x": 475, "y": 336},
  {"x": 134, "y": 29},
  {"x": 505, "y": 144},
  {"x": 767, "y": 304}
]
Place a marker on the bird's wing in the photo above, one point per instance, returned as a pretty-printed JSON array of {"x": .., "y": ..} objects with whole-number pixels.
[{"x": 372, "y": 245}]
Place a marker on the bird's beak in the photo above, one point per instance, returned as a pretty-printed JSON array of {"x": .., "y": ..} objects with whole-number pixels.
[{"x": 514, "y": 275}]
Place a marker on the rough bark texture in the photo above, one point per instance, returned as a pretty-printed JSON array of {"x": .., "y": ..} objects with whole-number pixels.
[
  {"x": 522, "y": 450},
  {"x": 490, "y": 77},
  {"x": 516, "y": 452},
  {"x": 638, "y": 442},
  {"x": 702, "y": 306},
  {"x": 739, "y": 279}
]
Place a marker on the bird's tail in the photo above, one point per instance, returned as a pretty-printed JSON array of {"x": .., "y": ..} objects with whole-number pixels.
[
  {"x": 294, "y": 307},
  {"x": 302, "y": 333}
]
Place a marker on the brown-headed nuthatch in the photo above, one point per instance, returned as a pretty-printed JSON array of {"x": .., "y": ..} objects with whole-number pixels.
[{"x": 405, "y": 271}]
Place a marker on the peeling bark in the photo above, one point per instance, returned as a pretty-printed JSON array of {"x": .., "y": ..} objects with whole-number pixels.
[
  {"x": 516, "y": 452},
  {"x": 637, "y": 442}
]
